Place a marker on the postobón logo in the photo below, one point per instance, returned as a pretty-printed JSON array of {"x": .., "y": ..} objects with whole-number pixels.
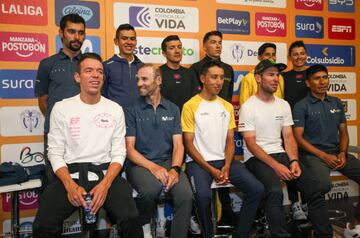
[
  {"x": 30, "y": 12},
  {"x": 17, "y": 83},
  {"x": 21, "y": 121},
  {"x": 88, "y": 10},
  {"x": 330, "y": 55},
  {"x": 260, "y": 3},
  {"x": 341, "y": 28},
  {"x": 341, "y": 5},
  {"x": 233, "y": 22},
  {"x": 157, "y": 17},
  {"x": 310, "y": 4},
  {"x": 90, "y": 44},
  {"x": 30, "y": 47},
  {"x": 269, "y": 24},
  {"x": 309, "y": 27},
  {"x": 148, "y": 49},
  {"x": 342, "y": 83},
  {"x": 28, "y": 200},
  {"x": 246, "y": 52}
]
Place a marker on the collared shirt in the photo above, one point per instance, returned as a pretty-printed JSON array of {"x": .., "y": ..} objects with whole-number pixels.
[
  {"x": 153, "y": 129},
  {"x": 55, "y": 78},
  {"x": 320, "y": 120},
  {"x": 228, "y": 86}
]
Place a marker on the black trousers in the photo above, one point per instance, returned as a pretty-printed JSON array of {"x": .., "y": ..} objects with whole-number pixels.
[
  {"x": 308, "y": 187},
  {"x": 55, "y": 208}
]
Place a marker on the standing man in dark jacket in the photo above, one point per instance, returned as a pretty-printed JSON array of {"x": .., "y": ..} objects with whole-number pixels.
[
  {"x": 212, "y": 44},
  {"x": 120, "y": 70}
]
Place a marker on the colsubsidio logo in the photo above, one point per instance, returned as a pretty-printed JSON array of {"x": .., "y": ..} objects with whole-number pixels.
[
  {"x": 139, "y": 16},
  {"x": 341, "y": 5},
  {"x": 330, "y": 55},
  {"x": 309, "y": 27}
]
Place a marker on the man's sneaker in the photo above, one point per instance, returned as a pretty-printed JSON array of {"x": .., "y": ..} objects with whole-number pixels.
[
  {"x": 161, "y": 228},
  {"x": 298, "y": 213},
  {"x": 147, "y": 231},
  {"x": 194, "y": 226},
  {"x": 352, "y": 233}
]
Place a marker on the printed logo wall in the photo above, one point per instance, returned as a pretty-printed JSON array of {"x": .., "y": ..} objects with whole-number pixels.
[{"x": 28, "y": 33}]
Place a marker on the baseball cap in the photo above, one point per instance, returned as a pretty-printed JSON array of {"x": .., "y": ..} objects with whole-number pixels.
[{"x": 264, "y": 64}]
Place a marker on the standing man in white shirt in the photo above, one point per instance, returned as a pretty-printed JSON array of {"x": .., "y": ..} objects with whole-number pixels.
[{"x": 82, "y": 162}]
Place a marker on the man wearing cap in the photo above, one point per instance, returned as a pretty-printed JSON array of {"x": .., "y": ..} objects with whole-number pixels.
[
  {"x": 264, "y": 119},
  {"x": 248, "y": 83}
]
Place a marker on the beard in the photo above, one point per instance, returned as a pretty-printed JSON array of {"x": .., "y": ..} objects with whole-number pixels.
[{"x": 75, "y": 48}]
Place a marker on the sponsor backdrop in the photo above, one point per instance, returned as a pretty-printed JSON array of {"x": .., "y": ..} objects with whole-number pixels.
[{"x": 28, "y": 33}]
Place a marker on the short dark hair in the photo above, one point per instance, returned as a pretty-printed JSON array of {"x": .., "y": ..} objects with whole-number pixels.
[
  {"x": 122, "y": 27},
  {"x": 314, "y": 69},
  {"x": 264, "y": 46},
  {"x": 296, "y": 44},
  {"x": 73, "y": 18},
  {"x": 209, "y": 64},
  {"x": 167, "y": 39},
  {"x": 88, "y": 55},
  {"x": 211, "y": 33}
]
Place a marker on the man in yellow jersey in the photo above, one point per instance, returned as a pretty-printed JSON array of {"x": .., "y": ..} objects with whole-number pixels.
[{"x": 208, "y": 127}]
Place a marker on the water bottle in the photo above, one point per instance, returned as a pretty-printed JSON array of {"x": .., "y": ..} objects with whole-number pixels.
[
  {"x": 90, "y": 217},
  {"x": 162, "y": 194}
]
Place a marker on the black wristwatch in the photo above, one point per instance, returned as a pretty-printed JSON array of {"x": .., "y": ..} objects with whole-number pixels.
[{"x": 176, "y": 168}]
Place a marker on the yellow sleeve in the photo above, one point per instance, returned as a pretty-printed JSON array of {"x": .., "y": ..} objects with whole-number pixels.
[
  {"x": 188, "y": 117},
  {"x": 280, "y": 89},
  {"x": 248, "y": 87}
]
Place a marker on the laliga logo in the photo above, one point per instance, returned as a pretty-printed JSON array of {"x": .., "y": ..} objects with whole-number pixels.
[
  {"x": 140, "y": 16},
  {"x": 83, "y": 11},
  {"x": 237, "y": 52},
  {"x": 30, "y": 119}
]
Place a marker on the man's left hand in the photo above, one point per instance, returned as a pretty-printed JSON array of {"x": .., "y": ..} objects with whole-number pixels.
[
  {"x": 173, "y": 178},
  {"x": 98, "y": 193},
  {"x": 225, "y": 175},
  {"x": 341, "y": 160}
]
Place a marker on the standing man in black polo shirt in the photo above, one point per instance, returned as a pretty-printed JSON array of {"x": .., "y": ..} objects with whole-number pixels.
[
  {"x": 320, "y": 130},
  {"x": 55, "y": 77},
  {"x": 295, "y": 88},
  {"x": 156, "y": 151},
  {"x": 179, "y": 83},
  {"x": 212, "y": 45}
]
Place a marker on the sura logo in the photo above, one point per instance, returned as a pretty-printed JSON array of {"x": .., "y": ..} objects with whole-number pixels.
[
  {"x": 314, "y": 27},
  {"x": 14, "y": 83},
  {"x": 24, "y": 46},
  {"x": 271, "y": 24},
  {"x": 21, "y": 10},
  {"x": 83, "y": 11}
]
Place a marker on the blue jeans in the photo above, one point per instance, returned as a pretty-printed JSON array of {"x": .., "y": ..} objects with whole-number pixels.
[{"x": 242, "y": 179}]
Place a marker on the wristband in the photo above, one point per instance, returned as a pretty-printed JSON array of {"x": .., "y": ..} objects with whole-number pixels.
[
  {"x": 176, "y": 168},
  {"x": 294, "y": 160}
]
